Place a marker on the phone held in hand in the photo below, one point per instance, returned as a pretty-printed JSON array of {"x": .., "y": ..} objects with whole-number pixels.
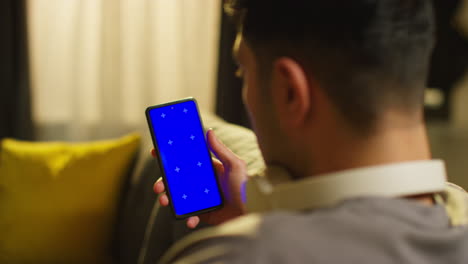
[{"x": 184, "y": 158}]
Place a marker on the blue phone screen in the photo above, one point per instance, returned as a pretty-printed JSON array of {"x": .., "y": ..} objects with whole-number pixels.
[{"x": 185, "y": 158}]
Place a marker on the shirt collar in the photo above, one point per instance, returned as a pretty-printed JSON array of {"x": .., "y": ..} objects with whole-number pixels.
[{"x": 276, "y": 190}]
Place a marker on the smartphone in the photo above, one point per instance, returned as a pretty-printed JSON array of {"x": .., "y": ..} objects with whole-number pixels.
[{"x": 184, "y": 158}]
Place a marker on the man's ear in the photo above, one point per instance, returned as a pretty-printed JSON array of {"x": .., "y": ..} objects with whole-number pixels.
[{"x": 291, "y": 93}]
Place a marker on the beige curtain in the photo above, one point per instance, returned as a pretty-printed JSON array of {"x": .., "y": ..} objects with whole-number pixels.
[{"x": 97, "y": 64}]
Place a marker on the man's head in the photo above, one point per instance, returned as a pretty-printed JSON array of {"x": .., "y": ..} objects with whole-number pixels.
[{"x": 312, "y": 66}]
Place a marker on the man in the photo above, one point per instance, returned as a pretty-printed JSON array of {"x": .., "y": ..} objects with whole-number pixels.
[{"x": 335, "y": 94}]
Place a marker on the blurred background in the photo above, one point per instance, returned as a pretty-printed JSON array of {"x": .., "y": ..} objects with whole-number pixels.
[{"x": 76, "y": 70}]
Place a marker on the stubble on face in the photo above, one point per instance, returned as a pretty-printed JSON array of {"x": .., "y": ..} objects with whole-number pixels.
[{"x": 257, "y": 101}]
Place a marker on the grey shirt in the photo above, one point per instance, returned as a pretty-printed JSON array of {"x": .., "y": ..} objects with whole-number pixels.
[{"x": 359, "y": 230}]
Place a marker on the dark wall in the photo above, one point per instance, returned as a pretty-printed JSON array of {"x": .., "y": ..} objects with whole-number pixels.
[
  {"x": 229, "y": 97},
  {"x": 15, "y": 107},
  {"x": 450, "y": 58}
]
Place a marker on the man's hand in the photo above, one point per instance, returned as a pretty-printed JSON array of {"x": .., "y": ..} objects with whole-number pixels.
[{"x": 231, "y": 172}]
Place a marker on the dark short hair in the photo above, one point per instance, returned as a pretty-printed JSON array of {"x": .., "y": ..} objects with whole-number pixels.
[{"x": 368, "y": 55}]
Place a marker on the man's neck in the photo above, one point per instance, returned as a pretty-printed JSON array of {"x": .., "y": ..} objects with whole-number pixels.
[{"x": 387, "y": 145}]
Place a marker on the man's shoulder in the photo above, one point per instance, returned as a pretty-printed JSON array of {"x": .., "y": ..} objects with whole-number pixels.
[
  {"x": 225, "y": 236},
  {"x": 355, "y": 226},
  {"x": 256, "y": 235}
]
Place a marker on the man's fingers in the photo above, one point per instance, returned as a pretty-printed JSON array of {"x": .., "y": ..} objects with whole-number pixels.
[
  {"x": 158, "y": 186},
  {"x": 225, "y": 155},
  {"x": 193, "y": 221},
  {"x": 163, "y": 200},
  {"x": 218, "y": 166}
]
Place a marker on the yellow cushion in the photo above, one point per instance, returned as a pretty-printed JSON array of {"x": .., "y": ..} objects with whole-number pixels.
[{"x": 58, "y": 200}]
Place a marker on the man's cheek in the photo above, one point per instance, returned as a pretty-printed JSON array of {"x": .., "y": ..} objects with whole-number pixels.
[
  {"x": 249, "y": 103},
  {"x": 244, "y": 94},
  {"x": 248, "y": 98}
]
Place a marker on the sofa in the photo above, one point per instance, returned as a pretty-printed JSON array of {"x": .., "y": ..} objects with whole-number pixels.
[
  {"x": 146, "y": 230},
  {"x": 125, "y": 224}
]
